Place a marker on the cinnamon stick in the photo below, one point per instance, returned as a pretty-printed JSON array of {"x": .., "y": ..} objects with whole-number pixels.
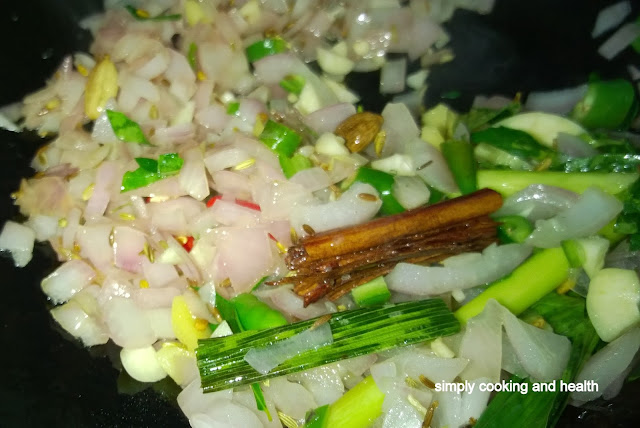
[
  {"x": 334, "y": 262},
  {"x": 381, "y": 230}
]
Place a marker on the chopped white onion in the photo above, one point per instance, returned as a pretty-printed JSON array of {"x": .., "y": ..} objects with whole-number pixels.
[
  {"x": 312, "y": 179},
  {"x": 267, "y": 358},
  {"x": 574, "y": 146},
  {"x": 397, "y": 164},
  {"x": 348, "y": 210},
  {"x": 75, "y": 321},
  {"x": 456, "y": 409},
  {"x": 19, "y": 240},
  {"x": 542, "y": 354},
  {"x": 619, "y": 41},
  {"x": 288, "y": 302},
  {"x": 559, "y": 101},
  {"x": 481, "y": 344},
  {"x": 67, "y": 280},
  {"x": 400, "y": 128},
  {"x": 538, "y": 201},
  {"x": 333, "y": 63},
  {"x": 431, "y": 165},
  {"x": 610, "y": 17},
  {"x": 44, "y": 226},
  {"x": 290, "y": 398},
  {"x": 411, "y": 192},
  {"x": 607, "y": 364},
  {"x": 127, "y": 324},
  {"x": 392, "y": 76},
  {"x": 459, "y": 272},
  {"x": 142, "y": 364},
  {"x": 586, "y": 217},
  {"x": 193, "y": 177},
  {"x": 328, "y": 118},
  {"x": 325, "y": 383},
  {"x": 193, "y": 400}
]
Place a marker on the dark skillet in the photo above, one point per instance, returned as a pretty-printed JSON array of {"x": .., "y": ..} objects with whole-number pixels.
[{"x": 48, "y": 380}]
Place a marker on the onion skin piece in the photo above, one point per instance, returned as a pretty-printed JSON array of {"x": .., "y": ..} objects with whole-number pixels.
[{"x": 539, "y": 275}]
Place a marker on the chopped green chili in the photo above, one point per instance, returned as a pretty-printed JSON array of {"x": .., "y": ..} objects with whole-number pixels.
[
  {"x": 143, "y": 15},
  {"x": 126, "y": 129},
  {"x": 151, "y": 170},
  {"x": 296, "y": 163},
  {"x": 192, "y": 56},
  {"x": 606, "y": 104},
  {"x": 383, "y": 183},
  {"x": 459, "y": 157},
  {"x": 293, "y": 83},
  {"x": 280, "y": 138},
  {"x": 266, "y": 47}
]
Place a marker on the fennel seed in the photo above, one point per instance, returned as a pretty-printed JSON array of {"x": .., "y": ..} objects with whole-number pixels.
[
  {"x": 322, "y": 320},
  {"x": 427, "y": 382},
  {"x": 367, "y": 197},
  {"x": 429, "y": 416}
]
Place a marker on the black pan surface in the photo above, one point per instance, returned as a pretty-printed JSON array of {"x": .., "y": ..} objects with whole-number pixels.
[{"x": 49, "y": 380}]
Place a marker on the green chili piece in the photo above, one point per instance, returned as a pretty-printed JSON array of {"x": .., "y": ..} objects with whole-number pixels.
[
  {"x": 383, "y": 183},
  {"x": 293, "y": 83},
  {"x": 266, "y": 47},
  {"x": 606, "y": 104},
  {"x": 291, "y": 165},
  {"x": 126, "y": 129},
  {"x": 513, "y": 141},
  {"x": 254, "y": 314},
  {"x": 147, "y": 164},
  {"x": 233, "y": 108},
  {"x": 192, "y": 56},
  {"x": 169, "y": 164},
  {"x": 513, "y": 228},
  {"x": 228, "y": 312},
  {"x": 143, "y": 15},
  {"x": 459, "y": 157},
  {"x": 138, "y": 178},
  {"x": 279, "y": 138}
]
